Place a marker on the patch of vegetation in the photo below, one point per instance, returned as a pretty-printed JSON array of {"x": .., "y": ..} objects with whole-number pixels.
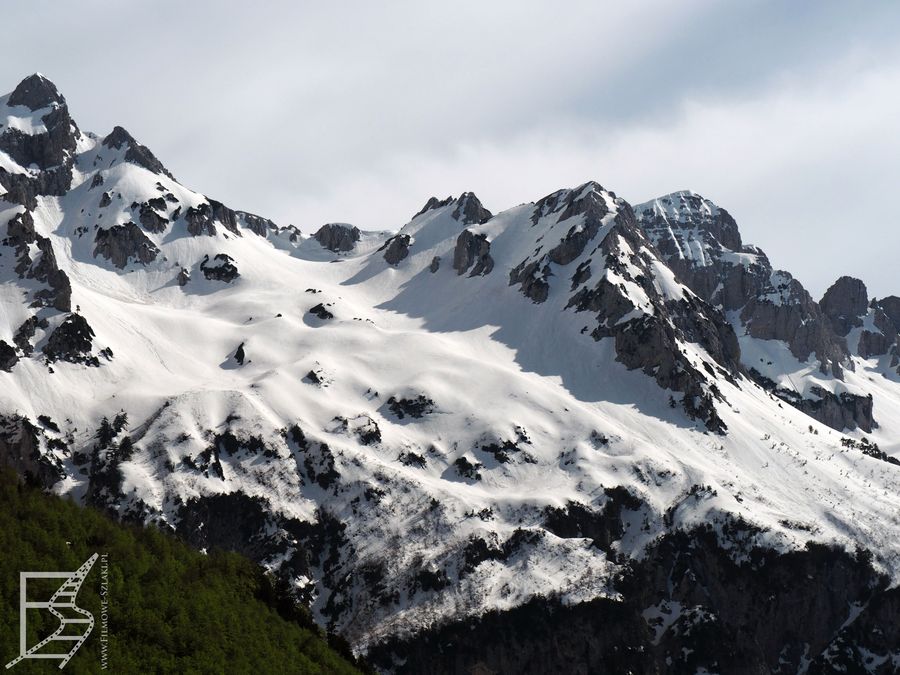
[{"x": 171, "y": 609}]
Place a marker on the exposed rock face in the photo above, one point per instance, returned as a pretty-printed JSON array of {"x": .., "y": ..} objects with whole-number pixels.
[
  {"x": 51, "y": 150},
  {"x": 222, "y": 268},
  {"x": 890, "y": 305},
  {"x": 435, "y": 264},
  {"x": 783, "y": 310},
  {"x": 121, "y": 243},
  {"x": 35, "y": 92},
  {"x": 224, "y": 215},
  {"x": 150, "y": 218},
  {"x": 433, "y": 203},
  {"x": 46, "y": 150},
  {"x": 257, "y": 224},
  {"x": 26, "y": 332},
  {"x": 43, "y": 267},
  {"x": 844, "y": 303},
  {"x": 337, "y": 237},
  {"x": 8, "y": 356},
  {"x": 20, "y": 449},
  {"x": 184, "y": 276},
  {"x": 472, "y": 251},
  {"x": 700, "y": 242},
  {"x": 687, "y": 607},
  {"x": 201, "y": 219},
  {"x": 72, "y": 341},
  {"x": 136, "y": 153},
  {"x": 648, "y": 317},
  {"x": 25, "y": 188},
  {"x": 838, "y": 411},
  {"x": 396, "y": 248},
  {"x": 239, "y": 354},
  {"x": 469, "y": 210}
]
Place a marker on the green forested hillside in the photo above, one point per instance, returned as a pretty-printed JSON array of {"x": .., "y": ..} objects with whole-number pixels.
[{"x": 171, "y": 609}]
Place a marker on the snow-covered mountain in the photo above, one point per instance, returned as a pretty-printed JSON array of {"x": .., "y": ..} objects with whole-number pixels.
[{"x": 572, "y": 407}]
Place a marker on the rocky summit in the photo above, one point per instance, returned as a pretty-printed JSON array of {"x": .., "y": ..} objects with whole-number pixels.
[{"x": 577, "y": 435}]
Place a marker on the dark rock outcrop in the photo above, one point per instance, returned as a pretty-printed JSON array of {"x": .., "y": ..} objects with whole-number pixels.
[
  {"x": 433, "y": 203},
  {"x": 8, "y": 356},
  {"x": 396, "y": 248},
  {"x": 435, "y": 264},
  {"x": 44, "y": 268},
  {"x": 469, "y": 210},
  {"x": 416, "y": 407},
  {"x": 47, "y": 149},
  {"x": 35, "y": 92},
  {"x": 845, "y": 303},
  {"x": 257, "y": 224},
  {"x": 337, "y": 237},
  {"x": 224, "y": 215},
  {"x": 136, "y": 153},
  {"x": 472, "y": 251},
  {"x": 321, "y": 312},
  {"x": 26, "y": 332},
  {"x": 121, "y": 243},
  {"x": 72, "y": 341},
  {"x": 838, "y": 411},
  {"x": 20, "y": 449},
  {"x": 25, "y": 188},
  {"x": 150, "y": 218},
  {"x": 222, "y": 268},
  {"x": 700, "y": 242},
  {"x": 687, "y": 607},
  {"x": 201, "y": 219}
]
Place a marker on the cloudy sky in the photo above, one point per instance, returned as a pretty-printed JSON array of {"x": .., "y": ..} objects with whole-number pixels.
[{"x": 785, "y": 113}]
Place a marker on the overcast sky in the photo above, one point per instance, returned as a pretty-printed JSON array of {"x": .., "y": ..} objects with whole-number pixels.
[{"x": 785, "y": 113}]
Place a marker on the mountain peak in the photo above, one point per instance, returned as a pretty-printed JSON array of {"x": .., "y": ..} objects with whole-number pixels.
[
  {"x": 35, "y": 92},
  {"x": 136, "y": 153},
  {"x": 687, "y": 209},
  {"x": 431, "y": 204},
  {"x": 469, "y": 210}
]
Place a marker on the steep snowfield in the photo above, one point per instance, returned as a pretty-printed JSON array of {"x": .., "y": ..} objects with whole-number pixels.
[{"x": 525, "y": 407}]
